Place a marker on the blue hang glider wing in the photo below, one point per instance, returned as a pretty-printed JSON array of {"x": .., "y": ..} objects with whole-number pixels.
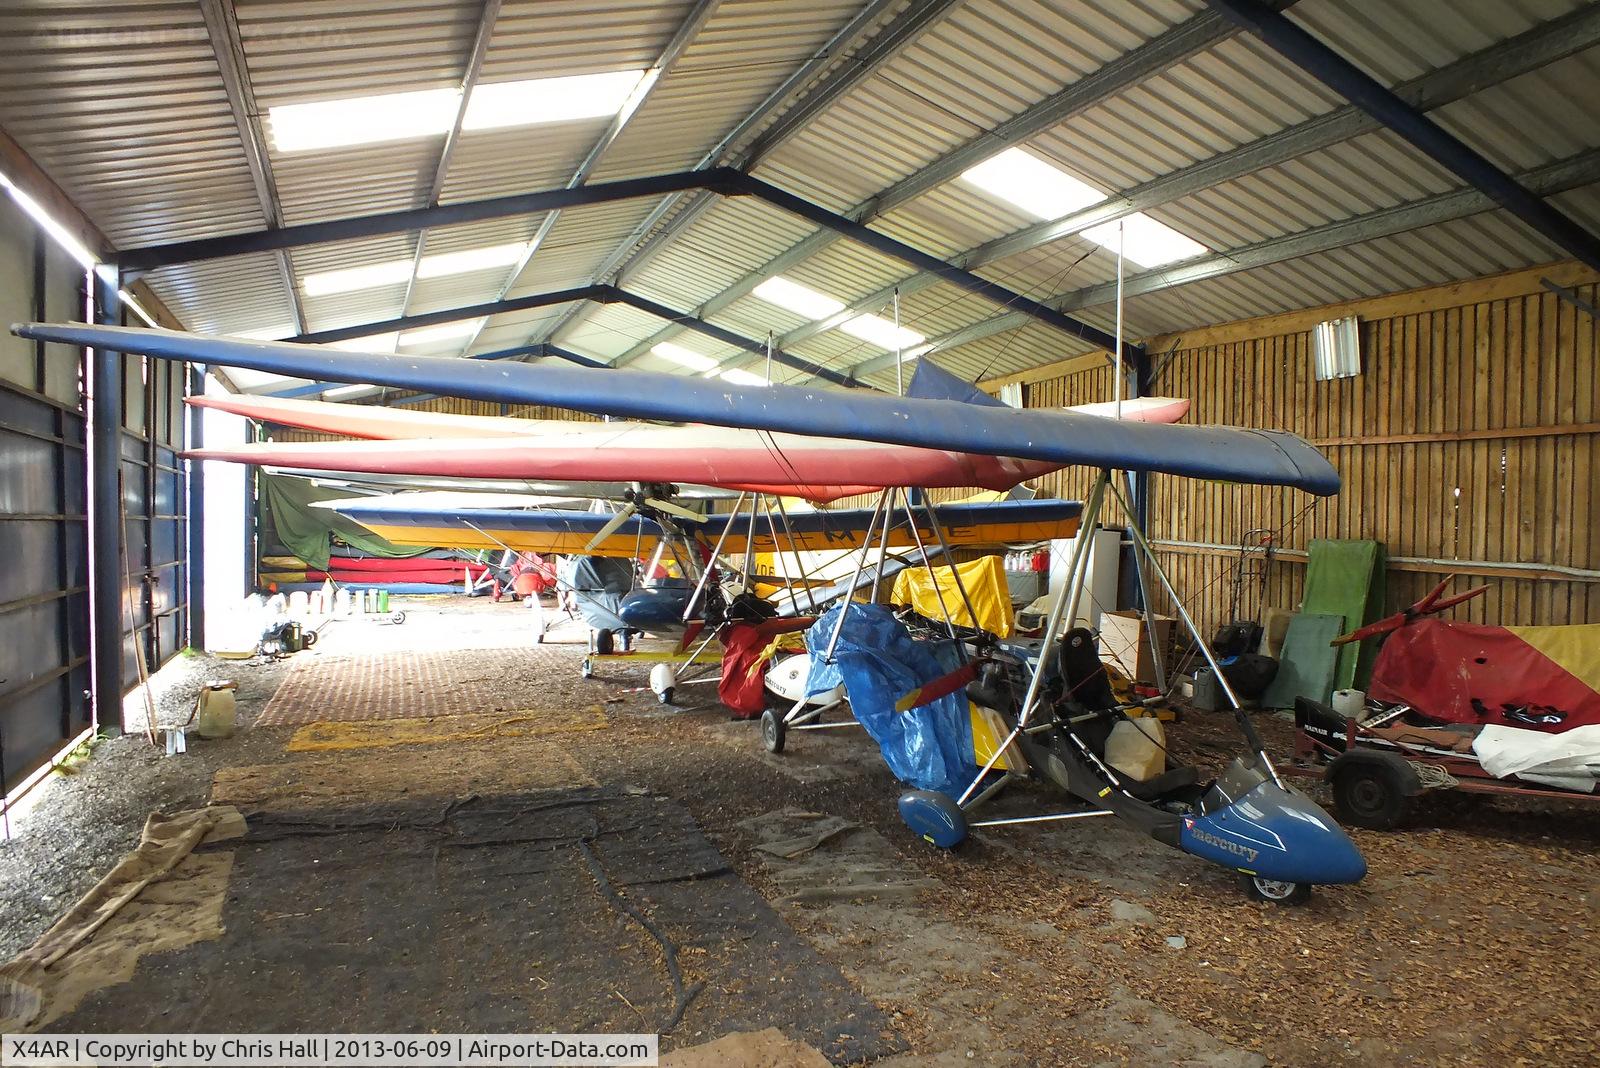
[{"x": 1262, "y": 457}]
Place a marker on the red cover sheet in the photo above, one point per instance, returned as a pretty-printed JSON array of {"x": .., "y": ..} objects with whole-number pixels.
[{"x": 1470, "y": 673}]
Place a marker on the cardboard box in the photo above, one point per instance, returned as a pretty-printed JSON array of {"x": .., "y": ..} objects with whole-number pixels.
[{"x": 1124, "y": 646}]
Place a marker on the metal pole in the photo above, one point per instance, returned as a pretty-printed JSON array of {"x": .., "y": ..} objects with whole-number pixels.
[
  {"x": 883, "y": 552},
  {"x": 799, "y": 564},
  {"x": 938, "y": 591},
  {"x": 777, "y": 555},
  {"x": 1069, "y": 593},
  {"x": 1117, "y": 378},
  {"x": 195, "y": 516},
  {"x": 105, "y": 529},
  {"x": 705, "y": 573},
  {"x": 1245, "y": 725},
  {"x": 1012, "y": 820},
  {"x": 850, "y": 591},
  {"x": 944, "y": 548},
  {"x": 899, "y": 355},
  {"x": 1075, "y": 570},
  {"x": 1157, "y": 659},
  {"x": 750, "y": 540}
]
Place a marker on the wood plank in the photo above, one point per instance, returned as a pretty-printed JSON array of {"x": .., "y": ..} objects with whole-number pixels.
[
  {"x": 1439, "y": 437},
  {"x": 1428, "y": 298}
]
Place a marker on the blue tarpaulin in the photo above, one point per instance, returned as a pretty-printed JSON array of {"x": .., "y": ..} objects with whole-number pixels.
[{"x": 928, "y": 747}]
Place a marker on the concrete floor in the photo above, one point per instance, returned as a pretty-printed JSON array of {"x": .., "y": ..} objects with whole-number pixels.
[{"x": 1470, "y": 942}]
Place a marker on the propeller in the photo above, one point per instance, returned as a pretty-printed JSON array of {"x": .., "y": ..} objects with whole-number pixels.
[
  {"x": 636, "y": 500},
  {"x": 611, "y": 526}
]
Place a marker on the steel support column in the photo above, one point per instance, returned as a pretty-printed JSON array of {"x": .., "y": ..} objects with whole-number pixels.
[
  {"x": 1143, "y": 382},
  {"x": 104, "y": 373},
  {"x": 194, "y": 515}
]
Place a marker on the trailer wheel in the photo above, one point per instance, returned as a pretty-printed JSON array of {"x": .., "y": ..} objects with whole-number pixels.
[
  {"x": 1370, "y": 795},
  {"x": 1277, "y": 891},
  {"x": 773, "y": 732}
]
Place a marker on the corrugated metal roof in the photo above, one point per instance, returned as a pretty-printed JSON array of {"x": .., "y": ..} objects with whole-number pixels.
[{"x": 124, "y": 105}]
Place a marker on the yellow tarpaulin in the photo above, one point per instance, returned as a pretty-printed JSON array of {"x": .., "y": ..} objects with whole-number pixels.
[{"x": 985, "y": 582}]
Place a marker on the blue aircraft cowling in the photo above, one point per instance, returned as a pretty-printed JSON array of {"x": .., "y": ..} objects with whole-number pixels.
[
  {"x": 656, "y": 609},
  {"x": 1275, "y": 833}
]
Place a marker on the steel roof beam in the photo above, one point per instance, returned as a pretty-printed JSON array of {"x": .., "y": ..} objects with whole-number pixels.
[
  {"x": 150, "y": 257},
  {"x": 456, "y": 315},
  {"x": 1526, "y": 52},
  {"x": 1549, "y": 180},
  {"x": 908, "y": 24},
  {"x": 600, "y": 293},
  {"x": 1508, "y": 59},
  {"x": 946, "y": 272},
  {"x": 687, "y": 31},
  {"x": 1361, "y": 89},
  {"x": 516, "y": 352},
  {"x": 222, "y": 26},
  {"x": 469, "y": 81},
  {"x": 728, "y": 337},
  {"x": 1189, "y": 37},
  {"x": 866, "y": 16},
  {"x": 722, "y": 180}
]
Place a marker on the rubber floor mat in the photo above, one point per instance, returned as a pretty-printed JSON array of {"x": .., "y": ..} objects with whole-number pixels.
[{"x": 587, "y": 910}]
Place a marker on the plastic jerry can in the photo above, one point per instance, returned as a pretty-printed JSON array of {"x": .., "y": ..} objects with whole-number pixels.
[
  {"x": 215, "y": 711},
  {"x": 1350, "y": 703},
  {"x": 1135, "y": 748}
]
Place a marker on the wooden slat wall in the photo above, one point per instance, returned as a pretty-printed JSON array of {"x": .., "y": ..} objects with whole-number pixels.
[{"x": 1494, "y": 405}]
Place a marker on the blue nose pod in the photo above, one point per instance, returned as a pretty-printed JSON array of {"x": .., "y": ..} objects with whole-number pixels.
[
  {"x": 935, "y": 818},
  {"x": 1275, "y": 833},
  {"x": 655, "y": 609}
]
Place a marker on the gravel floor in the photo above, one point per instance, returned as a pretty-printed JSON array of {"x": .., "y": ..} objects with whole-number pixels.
[
  {"x": 1469, "y": 943},
  {"x": 74, "y": 827}
]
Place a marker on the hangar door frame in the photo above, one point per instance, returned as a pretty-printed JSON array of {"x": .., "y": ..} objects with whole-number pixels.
[
  {"x": 46, "y": 627},
  {"x": 155, "y": 587},
  {"x": 44, "y": 587}
]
